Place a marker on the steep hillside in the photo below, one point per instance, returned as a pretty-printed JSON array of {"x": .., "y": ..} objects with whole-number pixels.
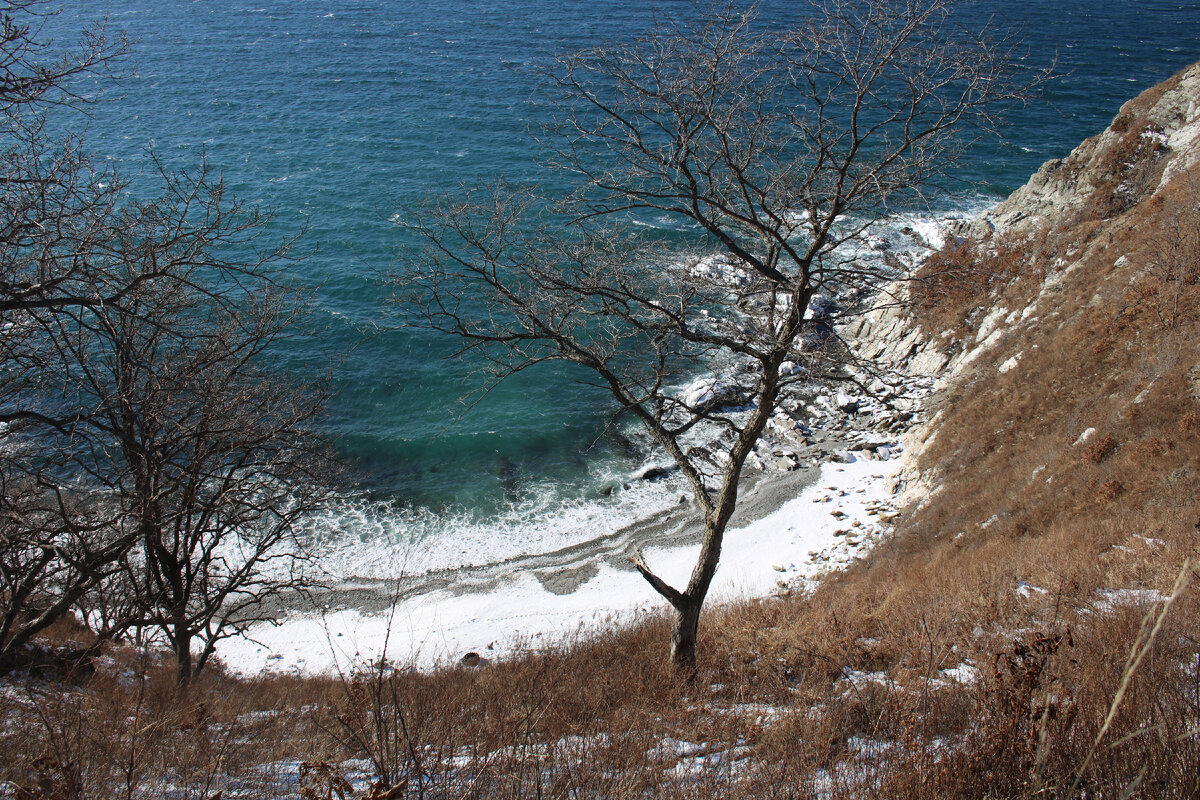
[
  {"x": 1068, "y": 317},
  {"x": 1031, "y": 628},
  {"x": 1055, "y": 519}
]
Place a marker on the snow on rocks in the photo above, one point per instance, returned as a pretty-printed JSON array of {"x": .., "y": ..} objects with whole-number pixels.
[
  {"x": 846, "y": 402},
  {"x": 709, "y": 393},
  {"x": 990, "y": 323},
  {"x": 822, "y": 307},
  {"x": 720, "y": 269}
]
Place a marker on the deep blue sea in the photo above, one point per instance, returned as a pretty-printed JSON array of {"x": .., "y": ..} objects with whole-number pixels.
[{"x": 342, "y": 114}]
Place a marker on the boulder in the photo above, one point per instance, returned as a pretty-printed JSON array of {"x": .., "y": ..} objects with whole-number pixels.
[
  {"x": 654, "y": 473},
  {"x": 473, "y": 660},
  {"x": 705, "y": 395},
  {"x": 847, "y": 403}
]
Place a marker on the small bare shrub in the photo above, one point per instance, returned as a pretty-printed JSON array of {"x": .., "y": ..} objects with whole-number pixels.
[
  {"x": 967, "y": 275},
  {"x": 322, "y": 781},
  {"x": 1098, "y": 448}
]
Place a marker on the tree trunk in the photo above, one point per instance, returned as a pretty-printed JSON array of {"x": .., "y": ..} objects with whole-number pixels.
[
  {"x": 683, "y": 639},
  {"x": 183, "y": 657}
]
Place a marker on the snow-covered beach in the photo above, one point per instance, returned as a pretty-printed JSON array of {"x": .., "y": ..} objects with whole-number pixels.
[{"x": 842, "y": 512}]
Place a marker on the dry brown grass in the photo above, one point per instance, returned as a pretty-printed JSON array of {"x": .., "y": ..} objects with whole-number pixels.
[
  {"x": 954, "y": 284},
  {"x": 771, "y": 708},
  {"x": 126, "y": 731}
]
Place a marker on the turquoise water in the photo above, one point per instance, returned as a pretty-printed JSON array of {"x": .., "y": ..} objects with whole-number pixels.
[{"x": 342, "y": 114}]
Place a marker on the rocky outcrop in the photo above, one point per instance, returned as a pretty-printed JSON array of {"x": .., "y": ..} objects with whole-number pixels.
[
  {"x": 900, "y": 368},
  {"x": 1152, "y": 139}
]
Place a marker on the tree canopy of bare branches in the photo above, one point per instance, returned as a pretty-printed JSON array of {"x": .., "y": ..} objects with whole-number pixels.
[
  {"x": 207, "y": 459},
  {"x": 154, "y": 468},
  {"x": 53, "y": 544},
  {"x": 774, "y": 146}
]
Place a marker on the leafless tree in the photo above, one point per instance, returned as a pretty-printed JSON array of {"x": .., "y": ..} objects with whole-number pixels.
[
  {"x": 776, "y": 145},
  {"x": 32, "y": 73},
  {"x": 154, "y": 412},
  {"x": 54, "y": 543},
  {"x": 1174, "y": 263},
  {"x": 154, "y": 466},
  {"x": 210, "y": 458}
]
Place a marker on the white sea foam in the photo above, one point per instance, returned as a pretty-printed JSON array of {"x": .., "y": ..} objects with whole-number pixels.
[{"x": 363, "y": 538}]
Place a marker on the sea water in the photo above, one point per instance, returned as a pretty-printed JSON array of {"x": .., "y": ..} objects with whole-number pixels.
[{"x": 342, "y": 115}]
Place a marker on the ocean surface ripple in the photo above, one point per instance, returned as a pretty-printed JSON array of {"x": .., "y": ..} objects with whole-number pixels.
[{"x": 342, "y": 114}]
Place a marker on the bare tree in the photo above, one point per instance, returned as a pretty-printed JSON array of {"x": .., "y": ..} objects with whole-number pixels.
[
  {"x": 32, "y": 73},
  {"x": 151, "y": 453},
  {"x": 776, "y": 147},
  {"x": 154, "y": 467},
  {"x": 55, "y": 543},
  {"x": 210, "y": 460},
  {"x": 1174, "y": 263}
]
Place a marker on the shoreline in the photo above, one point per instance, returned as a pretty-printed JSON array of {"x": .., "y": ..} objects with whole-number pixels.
[
  {"x": 790, "y": 528},
  {"x": 563, "y": 570},
  {"x": 821, "y": 488}
]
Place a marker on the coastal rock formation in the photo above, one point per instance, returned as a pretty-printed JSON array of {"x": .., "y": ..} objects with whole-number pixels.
[
  {"x": 1154, "y": 138},
  {"x": 1093, "y": 241},
  {"x": 1069, "y": 214}
]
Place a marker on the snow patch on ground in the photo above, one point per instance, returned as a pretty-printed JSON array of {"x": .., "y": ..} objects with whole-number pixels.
[
  {"x": 1026, "y": 589},
  {"x": 1122, "y": 598}
]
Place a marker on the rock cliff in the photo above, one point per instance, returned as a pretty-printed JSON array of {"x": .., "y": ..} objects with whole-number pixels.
[
  {"x": 1084, "y": 237},
  {"x": 1153, "y": 139}
]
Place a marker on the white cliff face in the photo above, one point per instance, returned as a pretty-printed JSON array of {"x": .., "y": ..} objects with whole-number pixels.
[
  {"x": 889, "y": 338},
  {"x": 1179, "y": 109}
]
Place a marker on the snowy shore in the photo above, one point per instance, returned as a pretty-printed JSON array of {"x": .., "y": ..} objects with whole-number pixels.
[
  {"x": 823, "y": 489},
  {"x": 844, "y": 511}
]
